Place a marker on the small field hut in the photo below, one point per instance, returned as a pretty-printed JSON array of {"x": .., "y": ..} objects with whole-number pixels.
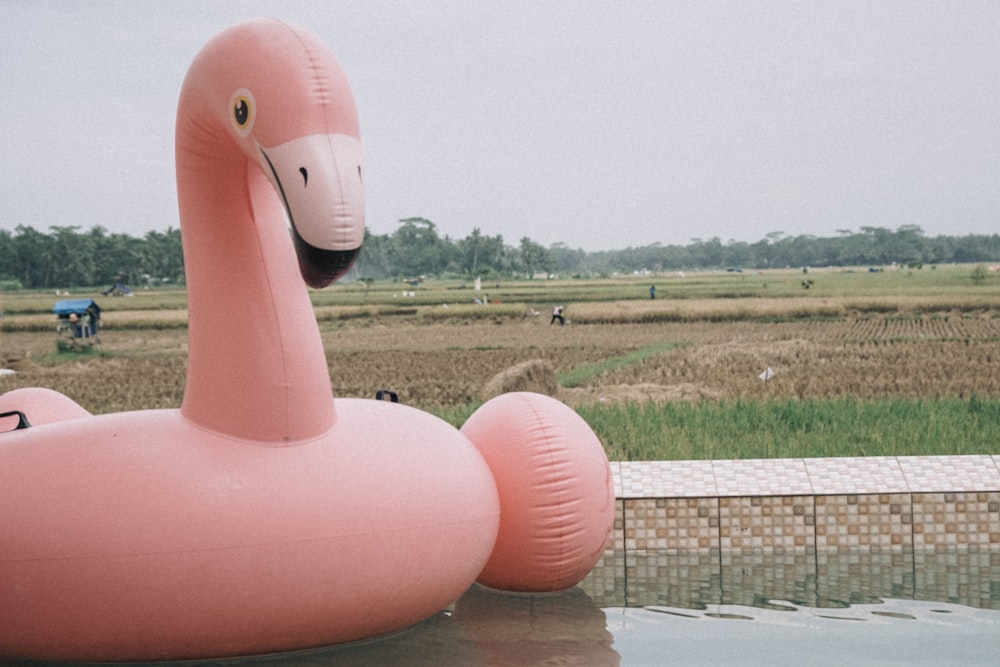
[{"x": 78, "y": 319}]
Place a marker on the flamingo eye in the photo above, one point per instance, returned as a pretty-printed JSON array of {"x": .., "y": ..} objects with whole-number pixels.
[{"x": 242, "y": 110}]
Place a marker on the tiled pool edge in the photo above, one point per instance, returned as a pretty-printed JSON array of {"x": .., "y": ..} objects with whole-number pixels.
[
  {"x": 812, "y": 530},
  {"x": 806, "y": 505}
]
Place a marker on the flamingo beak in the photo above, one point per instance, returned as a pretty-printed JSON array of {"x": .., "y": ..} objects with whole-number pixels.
[
  {"x": 320, "y": 267},
  {"x": 319, "y": 180}
]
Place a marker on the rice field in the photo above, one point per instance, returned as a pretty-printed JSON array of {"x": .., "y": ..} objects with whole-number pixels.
[{"x": 656, "y": 379}]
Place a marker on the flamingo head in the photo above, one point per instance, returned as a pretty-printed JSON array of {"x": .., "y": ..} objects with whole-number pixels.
[{"x": 284, "y": 100}]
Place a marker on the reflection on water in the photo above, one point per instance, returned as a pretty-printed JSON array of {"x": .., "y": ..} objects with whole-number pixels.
[
  {"x": 565, "y": 628},
  {"x": 824, "y": 579},
  {"x": 702, "y": 607},
  {"x": 484, "y": 627}
]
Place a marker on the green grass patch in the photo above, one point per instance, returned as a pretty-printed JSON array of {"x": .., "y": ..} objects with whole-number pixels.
[
  {"x": 455, "y": 415},
  {"x": 582, "y": 374},
  {"x": 796, "y": 429},
  {"x": 66, "y": 353}
]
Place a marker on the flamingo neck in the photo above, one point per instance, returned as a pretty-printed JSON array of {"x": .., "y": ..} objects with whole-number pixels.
[{"x": 256, "y": 365}]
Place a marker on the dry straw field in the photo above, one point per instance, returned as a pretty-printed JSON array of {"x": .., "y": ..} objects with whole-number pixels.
[
  {"x": 442, "y": 364},
  {"x": 706, "y": 339}
]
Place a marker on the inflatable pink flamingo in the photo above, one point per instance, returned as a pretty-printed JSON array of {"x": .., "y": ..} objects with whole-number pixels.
[{"x": 264, "y": 515}]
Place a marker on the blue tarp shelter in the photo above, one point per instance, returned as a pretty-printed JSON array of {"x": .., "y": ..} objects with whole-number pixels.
[{"x": 80, "y": 318}]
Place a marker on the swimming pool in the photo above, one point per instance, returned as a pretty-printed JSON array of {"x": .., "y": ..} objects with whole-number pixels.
[{"x": 882, "y": 560}]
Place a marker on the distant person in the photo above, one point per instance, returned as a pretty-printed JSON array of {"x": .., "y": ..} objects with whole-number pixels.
[
  {"x": 652, "y": 291},
  {"x": 557, "y": 314}
]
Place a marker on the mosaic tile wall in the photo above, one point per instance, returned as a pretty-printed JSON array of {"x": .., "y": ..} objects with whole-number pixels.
[
  {"x": 867, "y": 521},
  {"x": 766, "y": 523}
]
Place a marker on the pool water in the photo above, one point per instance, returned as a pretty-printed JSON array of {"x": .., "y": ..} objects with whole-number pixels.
[
  {"x": 710, "y": 609},
  {"x": 887, "y": 632}
]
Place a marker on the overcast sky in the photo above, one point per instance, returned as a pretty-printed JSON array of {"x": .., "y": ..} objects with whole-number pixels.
[{"x": 602, "y": 125}]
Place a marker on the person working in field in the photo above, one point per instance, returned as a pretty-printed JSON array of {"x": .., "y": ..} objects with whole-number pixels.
[{"x": 557, "y": 314}]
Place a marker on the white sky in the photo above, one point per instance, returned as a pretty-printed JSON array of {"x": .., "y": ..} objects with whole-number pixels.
[{"x": 599, "y": 124}]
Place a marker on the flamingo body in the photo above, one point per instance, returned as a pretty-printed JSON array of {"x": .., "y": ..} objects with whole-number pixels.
[{"x": 142, "y": 535}]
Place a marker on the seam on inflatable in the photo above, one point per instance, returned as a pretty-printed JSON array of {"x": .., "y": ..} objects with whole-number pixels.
[
  {"x": 550, "y": 448},
  {"x": 271, "y": 301}
]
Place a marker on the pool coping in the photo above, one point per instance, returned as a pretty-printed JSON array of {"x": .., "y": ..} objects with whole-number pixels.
[{"x": 806, "y": 476}]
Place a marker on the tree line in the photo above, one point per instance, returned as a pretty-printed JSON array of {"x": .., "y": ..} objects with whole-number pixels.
[{"x": 69, "y": 257}]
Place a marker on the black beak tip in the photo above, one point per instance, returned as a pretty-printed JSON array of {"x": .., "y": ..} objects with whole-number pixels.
[{"x": 320, "y": 267}]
